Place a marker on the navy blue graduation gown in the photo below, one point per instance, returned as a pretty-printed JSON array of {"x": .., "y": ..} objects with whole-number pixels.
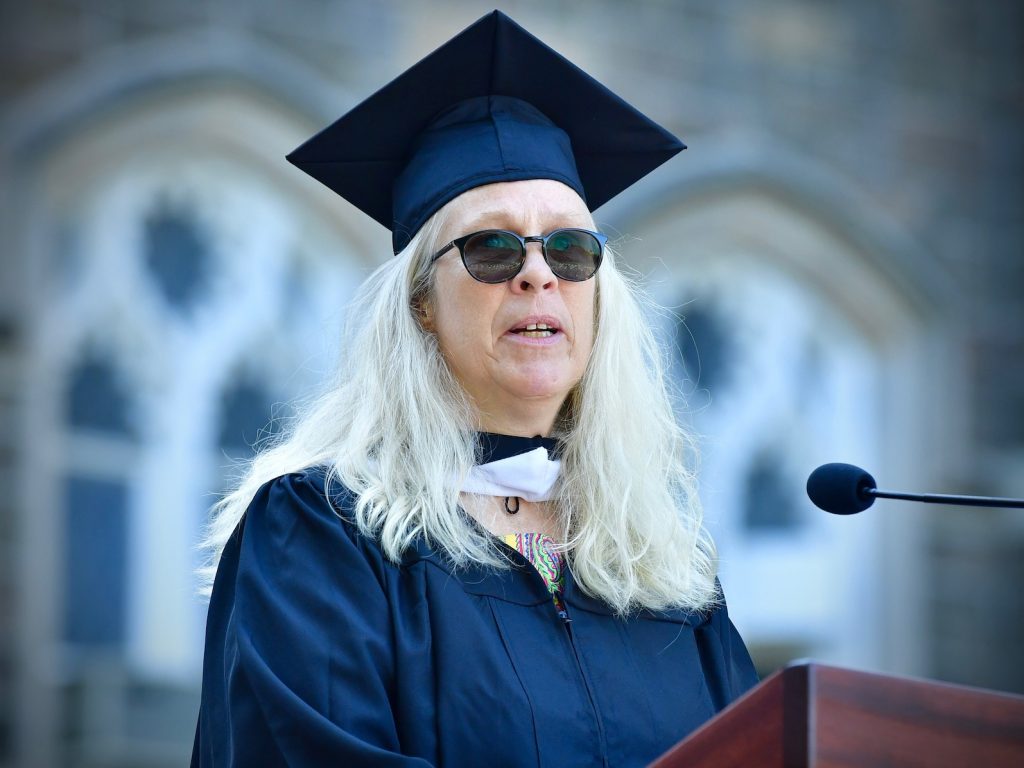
[{"x": 320, "y": 651}]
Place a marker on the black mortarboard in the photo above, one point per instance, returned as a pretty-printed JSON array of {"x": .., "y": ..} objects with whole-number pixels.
[{"x": 492, "y": 104}]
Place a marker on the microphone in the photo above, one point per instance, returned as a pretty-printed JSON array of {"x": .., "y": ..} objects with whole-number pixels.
[{"x": 844, "y": 489}]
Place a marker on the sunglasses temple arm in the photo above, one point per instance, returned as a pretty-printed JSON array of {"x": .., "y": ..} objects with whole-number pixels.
[{"x": 442, "y": 252}]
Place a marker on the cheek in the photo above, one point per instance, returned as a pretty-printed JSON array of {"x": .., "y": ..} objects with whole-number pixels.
[
  {"x": 452, "y": 334},
  {"x": 460, "y": 320},
  {"x": 583, "y": 352}
]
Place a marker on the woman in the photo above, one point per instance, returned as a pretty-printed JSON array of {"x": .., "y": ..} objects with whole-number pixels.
[{"x": 482, "y": 545}]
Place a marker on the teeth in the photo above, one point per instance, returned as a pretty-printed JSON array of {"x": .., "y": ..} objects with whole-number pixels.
[{"x": 536, "y": 331}]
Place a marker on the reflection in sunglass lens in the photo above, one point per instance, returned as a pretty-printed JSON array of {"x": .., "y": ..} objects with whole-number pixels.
[
  {"x": 493, "y": 257},
  {"x": 573, "y": 254}
]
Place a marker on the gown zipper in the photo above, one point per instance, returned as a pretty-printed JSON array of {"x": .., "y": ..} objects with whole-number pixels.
[
  {"x": 566, "y": 621},
  {"x": 601, "y": 740}
]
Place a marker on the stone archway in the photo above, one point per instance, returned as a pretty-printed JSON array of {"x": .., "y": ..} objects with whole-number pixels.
[
  {"x": 128, "y": 169},
  {"x": 824, "y": 332}
]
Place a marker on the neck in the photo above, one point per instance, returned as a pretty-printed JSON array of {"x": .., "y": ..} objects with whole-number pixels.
[{"x": 521, "y": 421}]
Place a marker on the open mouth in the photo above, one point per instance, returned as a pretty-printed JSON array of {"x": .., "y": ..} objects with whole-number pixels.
[{"x": 536, "y": 331}]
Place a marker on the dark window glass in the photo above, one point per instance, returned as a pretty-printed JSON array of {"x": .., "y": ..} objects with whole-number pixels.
[
  {"x": 703, "y": 343},
  {"x": 177, "y": 254},
  {"x": 95, "y": 561},
  {"x": 246, "y": 411},
  {"x": 769, "y": 496},
  {"x": 97, "y": 399}
]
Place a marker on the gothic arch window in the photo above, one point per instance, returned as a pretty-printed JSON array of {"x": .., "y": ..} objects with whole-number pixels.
[
  {"x": 99, "y": 416},
  {"x": 702, "y": 339},
  {"x": 247, "y": 416},
  {"x": 95, "y": 557},
  {"x": 150, "y": 216},
  {"x": 796, "y": 336},
  {"x": 97, "y": 398},
  {"x": 768, "y": 504},
  {"x": 176, "y": 251}
]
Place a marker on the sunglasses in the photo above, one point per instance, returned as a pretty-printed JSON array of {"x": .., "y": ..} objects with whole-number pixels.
[{"x": 495, "y": 256}]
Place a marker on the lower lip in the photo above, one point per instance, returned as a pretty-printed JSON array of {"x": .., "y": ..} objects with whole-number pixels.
[{"x": 545, "y": 341}]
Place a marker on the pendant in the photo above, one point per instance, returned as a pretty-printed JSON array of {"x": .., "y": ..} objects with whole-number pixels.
[{"x": 508, "y": 507}]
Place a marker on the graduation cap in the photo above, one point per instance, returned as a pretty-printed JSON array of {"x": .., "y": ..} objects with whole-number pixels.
[{"x": 492, "y": 104}]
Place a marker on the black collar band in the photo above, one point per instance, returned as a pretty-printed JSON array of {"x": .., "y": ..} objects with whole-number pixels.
[{"x": 494, "y": 447}]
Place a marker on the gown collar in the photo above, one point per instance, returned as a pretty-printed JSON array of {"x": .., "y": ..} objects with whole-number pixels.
[{"x": 492, "y": 446}]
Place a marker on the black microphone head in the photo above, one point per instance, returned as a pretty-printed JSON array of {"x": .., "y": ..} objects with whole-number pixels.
[{"x": 841, "y": 489}]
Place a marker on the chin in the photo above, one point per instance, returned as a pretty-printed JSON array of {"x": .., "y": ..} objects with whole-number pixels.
[{"x": 542, "y": 387}]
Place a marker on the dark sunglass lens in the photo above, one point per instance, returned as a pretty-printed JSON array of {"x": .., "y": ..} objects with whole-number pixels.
[
  {"x": 573, "y": 254},
  {"x": 493, "y": 257}
]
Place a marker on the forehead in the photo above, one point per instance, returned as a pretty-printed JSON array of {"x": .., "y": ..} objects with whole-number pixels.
[{"x": 521, "y": 206}]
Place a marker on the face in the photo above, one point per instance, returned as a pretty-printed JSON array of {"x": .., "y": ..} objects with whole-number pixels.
[{"x": 513, "y": 376}]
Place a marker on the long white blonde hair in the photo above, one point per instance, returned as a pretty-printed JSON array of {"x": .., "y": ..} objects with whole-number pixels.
[{"x": 396, "y": 429}]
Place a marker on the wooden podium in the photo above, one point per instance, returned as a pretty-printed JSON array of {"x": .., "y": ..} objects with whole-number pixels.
[{"x": 815, "y": 715}]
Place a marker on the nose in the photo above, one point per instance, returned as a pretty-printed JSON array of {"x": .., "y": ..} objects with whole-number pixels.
[{"x": 535, "y": 275}]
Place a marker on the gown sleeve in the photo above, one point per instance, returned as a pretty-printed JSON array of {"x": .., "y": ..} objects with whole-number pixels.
[
  {"x": 729, "y": 670},
  {"x": 299, "y": 656}
]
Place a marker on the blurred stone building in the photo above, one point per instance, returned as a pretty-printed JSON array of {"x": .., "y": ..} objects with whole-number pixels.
[{"x": 841, "y": 248}]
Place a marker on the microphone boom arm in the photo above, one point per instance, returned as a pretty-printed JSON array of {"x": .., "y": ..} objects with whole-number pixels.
[{"x": 940, "y": 498}]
